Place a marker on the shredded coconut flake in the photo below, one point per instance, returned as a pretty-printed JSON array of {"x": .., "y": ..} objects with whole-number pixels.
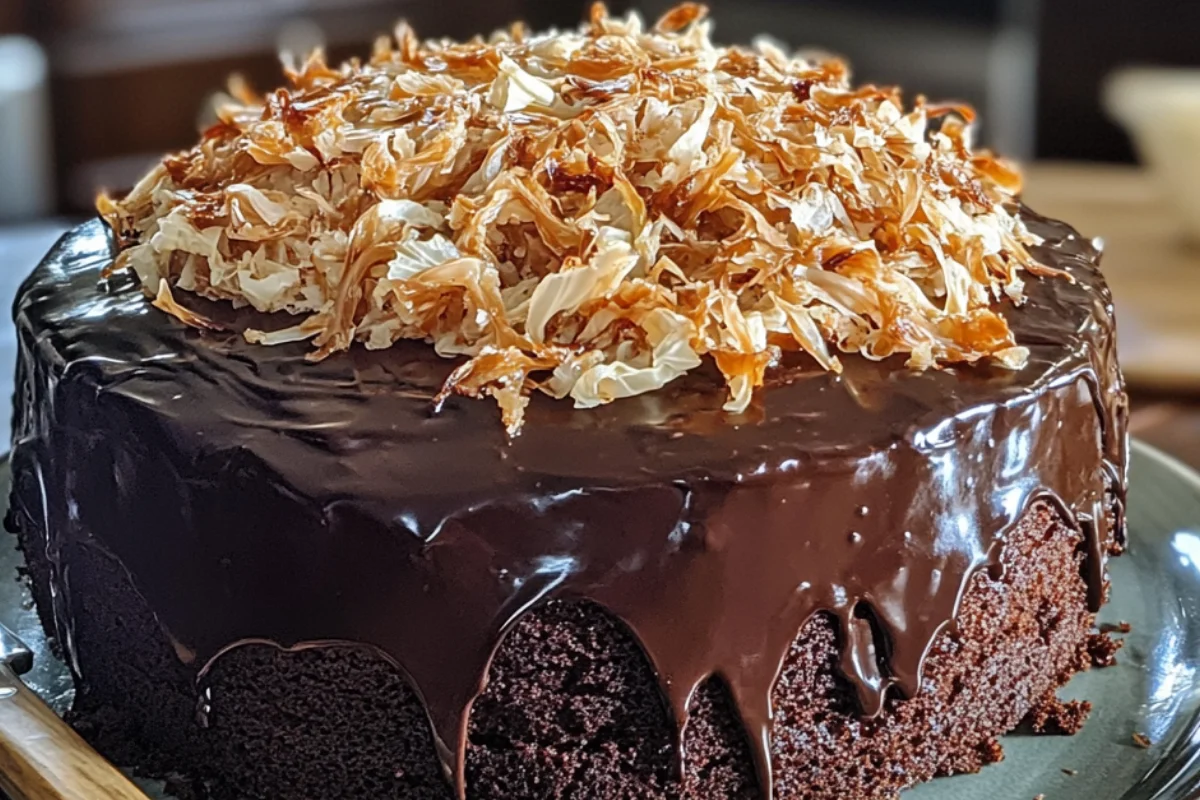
[{"x": 591, "y": 214}]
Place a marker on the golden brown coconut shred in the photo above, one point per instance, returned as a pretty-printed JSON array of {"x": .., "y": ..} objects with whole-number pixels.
[{"x": 591, "y": 213}]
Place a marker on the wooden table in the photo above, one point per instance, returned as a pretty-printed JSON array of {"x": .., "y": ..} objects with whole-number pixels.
[{"x": 1155, "y": 278}]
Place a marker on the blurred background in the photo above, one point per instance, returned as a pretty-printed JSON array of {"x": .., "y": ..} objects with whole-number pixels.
[
  {"x": 117, "y": 82},
  {"x": 93, "y": 91}
]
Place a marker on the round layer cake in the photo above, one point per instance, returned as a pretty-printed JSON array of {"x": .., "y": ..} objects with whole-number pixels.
[{"x": 280, "y": 577}]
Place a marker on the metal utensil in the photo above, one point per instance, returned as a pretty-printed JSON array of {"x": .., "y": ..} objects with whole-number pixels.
[{"x": 41, "y": 757}]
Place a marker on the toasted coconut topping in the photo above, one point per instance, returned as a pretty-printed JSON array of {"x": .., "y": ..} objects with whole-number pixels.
[{"x": 590, "y": 214}]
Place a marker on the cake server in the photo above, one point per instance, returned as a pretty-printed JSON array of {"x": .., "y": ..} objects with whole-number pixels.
[{"x": 41, "y": 757}]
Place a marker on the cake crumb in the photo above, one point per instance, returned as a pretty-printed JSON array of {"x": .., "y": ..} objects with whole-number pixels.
[
  {"x": 991, "y": 752},
  {"x": 1141, "y": 740},
  {"x": 1116, "y": 627},
  {"x": 1057, "y": 718},
  {"x": 1102, "y": 649}
]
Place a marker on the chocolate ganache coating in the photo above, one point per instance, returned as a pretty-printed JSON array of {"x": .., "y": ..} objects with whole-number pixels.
[{"x": 254, "y": 496}]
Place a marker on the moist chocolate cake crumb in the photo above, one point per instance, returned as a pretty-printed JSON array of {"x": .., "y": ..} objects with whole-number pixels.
[
  {"x": 572, "y": 709},
  {"x": 1056, "y": 717},
  {"x": 1103, "y": 649},
  {"x": 1141, "y": 740},
  {"x": 1116, "y": 627}
]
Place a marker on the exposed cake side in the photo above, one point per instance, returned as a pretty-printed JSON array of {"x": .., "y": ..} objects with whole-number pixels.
[
  {"x": 572, "y": 708},
  {"x": 242, "y": 489}
]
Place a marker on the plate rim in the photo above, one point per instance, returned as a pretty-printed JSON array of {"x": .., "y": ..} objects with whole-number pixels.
[
  {"x": 1182, "y": 779},
  {"x": 1173, "y": 464}
]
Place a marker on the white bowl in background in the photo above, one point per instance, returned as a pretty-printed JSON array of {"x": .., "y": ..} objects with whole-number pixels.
[{"x": 1160, "y": 109}]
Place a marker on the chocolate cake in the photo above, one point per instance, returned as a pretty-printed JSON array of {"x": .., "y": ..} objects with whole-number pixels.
[{"x": 809, "y": 455}]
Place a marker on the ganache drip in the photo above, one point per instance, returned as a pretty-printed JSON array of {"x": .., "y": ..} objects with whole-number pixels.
[{"x": 244, "y": 488}]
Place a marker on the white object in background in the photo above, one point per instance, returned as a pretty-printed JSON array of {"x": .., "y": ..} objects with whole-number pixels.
[
  {"x": 26, "y": 182},
  {"x": 1160, "y": 109}
]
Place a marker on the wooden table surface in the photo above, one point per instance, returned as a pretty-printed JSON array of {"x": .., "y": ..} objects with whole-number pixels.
[{"x": 1155, "y": 277}]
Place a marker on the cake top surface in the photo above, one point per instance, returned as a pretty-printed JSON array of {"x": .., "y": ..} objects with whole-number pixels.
[
  {"x": 371, "y": 409},
  {"x": 590, "y": 213}
]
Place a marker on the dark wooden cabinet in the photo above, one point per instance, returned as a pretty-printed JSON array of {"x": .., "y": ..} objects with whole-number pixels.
[
  {"x": 1081, "y": 42},
  {"x": 15, "y": 17},
  {"x": 130, "y": 77}
]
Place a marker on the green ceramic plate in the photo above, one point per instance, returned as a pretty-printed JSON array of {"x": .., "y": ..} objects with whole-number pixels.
[{"x": 1154, "y": 690}]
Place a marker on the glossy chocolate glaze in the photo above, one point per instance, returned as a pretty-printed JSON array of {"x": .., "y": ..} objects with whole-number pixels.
[{"x": 254, "y": 496}]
